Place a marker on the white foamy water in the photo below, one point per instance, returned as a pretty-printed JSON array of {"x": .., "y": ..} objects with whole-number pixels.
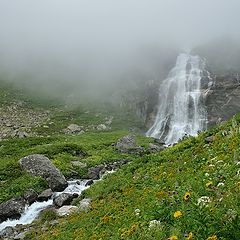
[
  {"x": 31, "y": 212},
  {"x": 181, "y": 109}
]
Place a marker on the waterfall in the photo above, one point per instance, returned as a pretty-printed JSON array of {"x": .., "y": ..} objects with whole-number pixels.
[{"x": 181, "y": 109}]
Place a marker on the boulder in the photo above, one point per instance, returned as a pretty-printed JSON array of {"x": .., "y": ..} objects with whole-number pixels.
[
  {"x": 95, "y": 172},
  {"x": 30, "y": 196},
  {"x": 85, "y": 204},
  {"x": 45, "y": 195},
  {"x": 6, "y": 232},
  {"x": 89, "y": 183},
  {"x": 41, "y": 166},
  {"x": 73, "y": 129},
  {"x": 63, "y": 199},
  {"x": 209, "y": 139},
  {"x": 66, "y": 210},
  {"x": 126, "y": 143},
  {"x": 101, "y": 127},
  {"x": 12, "y": 209},
  {"x": 153, "y": 148}
]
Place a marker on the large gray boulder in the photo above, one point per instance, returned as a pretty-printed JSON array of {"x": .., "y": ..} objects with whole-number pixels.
[
  {"x": 12, "y": 209},
  {"x": 41, "y": 166}
]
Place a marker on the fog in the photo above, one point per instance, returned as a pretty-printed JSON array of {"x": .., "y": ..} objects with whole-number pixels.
[{"x": 90, "y": 47}]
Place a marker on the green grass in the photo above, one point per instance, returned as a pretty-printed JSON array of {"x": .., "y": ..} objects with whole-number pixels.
[
  {"x": 156, "y": 184},
  {"x": 89, "y": 148}
]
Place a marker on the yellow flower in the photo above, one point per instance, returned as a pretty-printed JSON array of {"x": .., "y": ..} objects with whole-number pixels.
[
  {"x": 105, "y": 219},
  {"x": 173, "y": 238},
  {"x": 177, "y": 214},
  {"x": 186, "y": 196},
  {"x": 209, "y": 184},
  {"x": 190, "y": 236},
  {"x": 213, "y": 237}
]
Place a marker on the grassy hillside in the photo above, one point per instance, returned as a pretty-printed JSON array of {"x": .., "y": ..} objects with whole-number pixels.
[{"x": 188, "y": 191}]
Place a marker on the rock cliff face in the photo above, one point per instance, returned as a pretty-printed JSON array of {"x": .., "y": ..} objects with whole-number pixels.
[{"x": 223, "y": 100}]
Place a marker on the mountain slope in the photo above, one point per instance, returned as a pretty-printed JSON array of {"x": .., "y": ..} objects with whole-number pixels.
[{"x": 188, "y": 191}]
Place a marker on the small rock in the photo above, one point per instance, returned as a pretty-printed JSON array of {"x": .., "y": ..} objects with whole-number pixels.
[
  {"x": 126, "y": 143},
  {"x": 54, "y": 222},
  {"x": 30, "y": 196},
  {"x": 63, "y": 199},
  {"x": 155, "y": 148},
  {"x": 66, "y": 210},
  {"x": 101, "y": 127},
  {"x": 85, "y": 204},
  {"x": 90, "y": 182},
  {"x": 20, "y": 236},
  {"x": 45, "y": 195},
  {"x": 73, "y": 129},
  {"x": 94, "y": 172},
  {"x": 78, "y": 164},
  {"x": 209, "y": 139}
]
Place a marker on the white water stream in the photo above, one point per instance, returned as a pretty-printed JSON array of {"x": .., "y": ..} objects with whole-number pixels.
[
  {"x": 31, "y": 212},
  {"x": 181, "y": 109}
]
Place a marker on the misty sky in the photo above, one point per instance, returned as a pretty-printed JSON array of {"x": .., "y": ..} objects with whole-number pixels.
[{"x": 92, "y": 38}]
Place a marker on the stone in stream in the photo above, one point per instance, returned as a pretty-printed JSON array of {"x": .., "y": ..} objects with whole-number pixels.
[
  {"x": 64, "y": 199},
  {"x": 12, "y": 209},
  {"x": 41, "y": 166},
  {"x": 89, "y": 182},
  {"x": 45, "y": 195}
]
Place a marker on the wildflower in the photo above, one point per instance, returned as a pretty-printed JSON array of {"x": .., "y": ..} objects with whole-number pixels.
[
  {"x": 190, "y": 236},
  {"x": 173, "y": 238},
  {"x": 177, "y": 214},
  {"x": 231, "y": 215},
  {"x": 202, "y": 201},
  {"x": 105, "y": 219},
  {"x": 209, "y": 184},
  {"x": 213, "y": 237},
  {"x": 154, "y": 224},
  {"x": 186, "y": 196},
  {"x": 207, "y": 174},
  {"x": 220, "y": 184},
  {"x": 137, "y": 212}
]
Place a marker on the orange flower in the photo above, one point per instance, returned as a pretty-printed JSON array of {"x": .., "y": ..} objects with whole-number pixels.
[
  {"x": 186, "y": 196},
  {"x": 177, "y": 214}
]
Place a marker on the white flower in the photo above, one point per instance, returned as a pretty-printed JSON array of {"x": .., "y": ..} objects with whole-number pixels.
[
  {"x": 202, "y": 201},
  {"x": 207, "y": 174},
  {"x": 220, "y": 184},
  {"x": 154, "y": 224},
  {"x": 137, "y": 212}
]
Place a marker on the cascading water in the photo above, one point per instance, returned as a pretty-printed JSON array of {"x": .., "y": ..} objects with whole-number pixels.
[
  {"x": 181, "y": 109},
  {"x": 31, "y": 212}
]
